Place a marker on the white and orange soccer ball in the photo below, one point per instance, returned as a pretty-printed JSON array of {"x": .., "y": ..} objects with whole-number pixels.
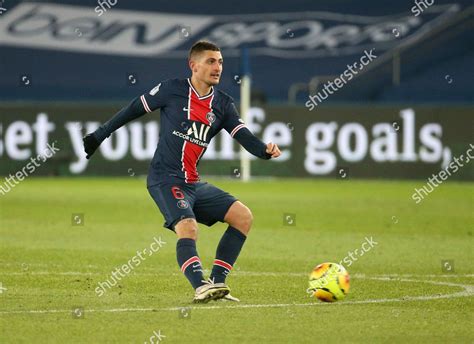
[{"x": 329, "y": 282}]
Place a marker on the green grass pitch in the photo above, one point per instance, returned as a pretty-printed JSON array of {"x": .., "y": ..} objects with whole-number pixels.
[{"x": 415, "y": 285}]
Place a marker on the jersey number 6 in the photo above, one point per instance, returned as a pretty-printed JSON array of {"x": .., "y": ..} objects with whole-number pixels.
[{"x": 177, "y": 193}]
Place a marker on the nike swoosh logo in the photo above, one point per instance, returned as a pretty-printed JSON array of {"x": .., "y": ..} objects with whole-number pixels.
[
  {"x": 196, "y": 265},
  {"x": 185, "y": 109}
]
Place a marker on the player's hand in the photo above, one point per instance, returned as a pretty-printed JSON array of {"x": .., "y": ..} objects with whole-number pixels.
[
  {"x": 90, "y": 144},
  {"x": 273, "y": 149}
]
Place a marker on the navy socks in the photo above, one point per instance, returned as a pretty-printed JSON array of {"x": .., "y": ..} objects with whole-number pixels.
[
  {"x": 189, "y": 261},
  {"x": 227, "y": 252}
]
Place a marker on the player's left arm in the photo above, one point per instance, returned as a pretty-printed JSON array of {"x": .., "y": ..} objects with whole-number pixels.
[{"x": 237, "y": 129}]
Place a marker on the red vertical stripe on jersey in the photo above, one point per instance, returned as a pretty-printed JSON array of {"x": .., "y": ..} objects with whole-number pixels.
[{"x": 197, "y": 111}]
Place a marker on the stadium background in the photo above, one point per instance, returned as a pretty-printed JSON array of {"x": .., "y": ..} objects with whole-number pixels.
[
  {"x": 347, "y": 175},
  {"x": 64, "y": 66}
]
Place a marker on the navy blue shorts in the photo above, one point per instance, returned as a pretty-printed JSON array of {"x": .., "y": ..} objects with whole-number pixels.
[{"x": 178, "y": 200}]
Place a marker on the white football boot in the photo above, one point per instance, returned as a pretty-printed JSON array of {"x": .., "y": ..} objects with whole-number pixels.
[{"x": 210, "y": 291}]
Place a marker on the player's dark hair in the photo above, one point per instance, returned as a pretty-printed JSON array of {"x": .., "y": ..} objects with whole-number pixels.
[{"x": 201, "y": 46}]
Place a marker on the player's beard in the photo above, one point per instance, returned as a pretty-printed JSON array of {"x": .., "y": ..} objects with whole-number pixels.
[{"x": 213, "y": 82}]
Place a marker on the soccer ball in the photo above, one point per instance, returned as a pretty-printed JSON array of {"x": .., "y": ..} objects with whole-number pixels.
[{"x": 329, "y": 282}]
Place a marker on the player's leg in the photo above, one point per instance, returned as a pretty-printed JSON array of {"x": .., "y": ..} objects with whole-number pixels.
[
  {"x": 188, "y": 259},
  {"x": 175, "y": 200},
  {"x": 212, "y": 205},
  {"x": 239, "y": 217},
  {"x": 186, "y": 251}
]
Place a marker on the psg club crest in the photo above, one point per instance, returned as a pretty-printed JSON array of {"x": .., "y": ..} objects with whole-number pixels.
[
  {"x": 182, "y": 204},
  {"x": 211, "y": 117}
]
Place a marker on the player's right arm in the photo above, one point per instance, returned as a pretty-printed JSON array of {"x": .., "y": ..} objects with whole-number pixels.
[{"x": 139, "y": 106}]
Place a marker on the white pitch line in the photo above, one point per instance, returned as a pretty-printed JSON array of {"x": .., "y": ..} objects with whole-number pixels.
[
  {"x": 234, "y": 273},
  {"x": 468, "y": 291},
  {"x": 21, "y": 265},
  {"x": 417, "y": 275},
  {"x": 52, "y": 273}
]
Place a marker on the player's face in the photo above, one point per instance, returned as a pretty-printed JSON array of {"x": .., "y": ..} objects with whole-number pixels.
[{"x": 207, "y": 67}]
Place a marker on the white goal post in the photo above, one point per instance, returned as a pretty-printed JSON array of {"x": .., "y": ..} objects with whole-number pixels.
[{"x": 245, "y": 89}]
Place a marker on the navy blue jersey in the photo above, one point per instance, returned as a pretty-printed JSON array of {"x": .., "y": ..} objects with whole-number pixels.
[{"x": 187, "y": 125}]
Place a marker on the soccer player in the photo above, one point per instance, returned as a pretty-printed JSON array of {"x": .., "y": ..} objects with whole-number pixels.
[{"x": 192, "y": 113}]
